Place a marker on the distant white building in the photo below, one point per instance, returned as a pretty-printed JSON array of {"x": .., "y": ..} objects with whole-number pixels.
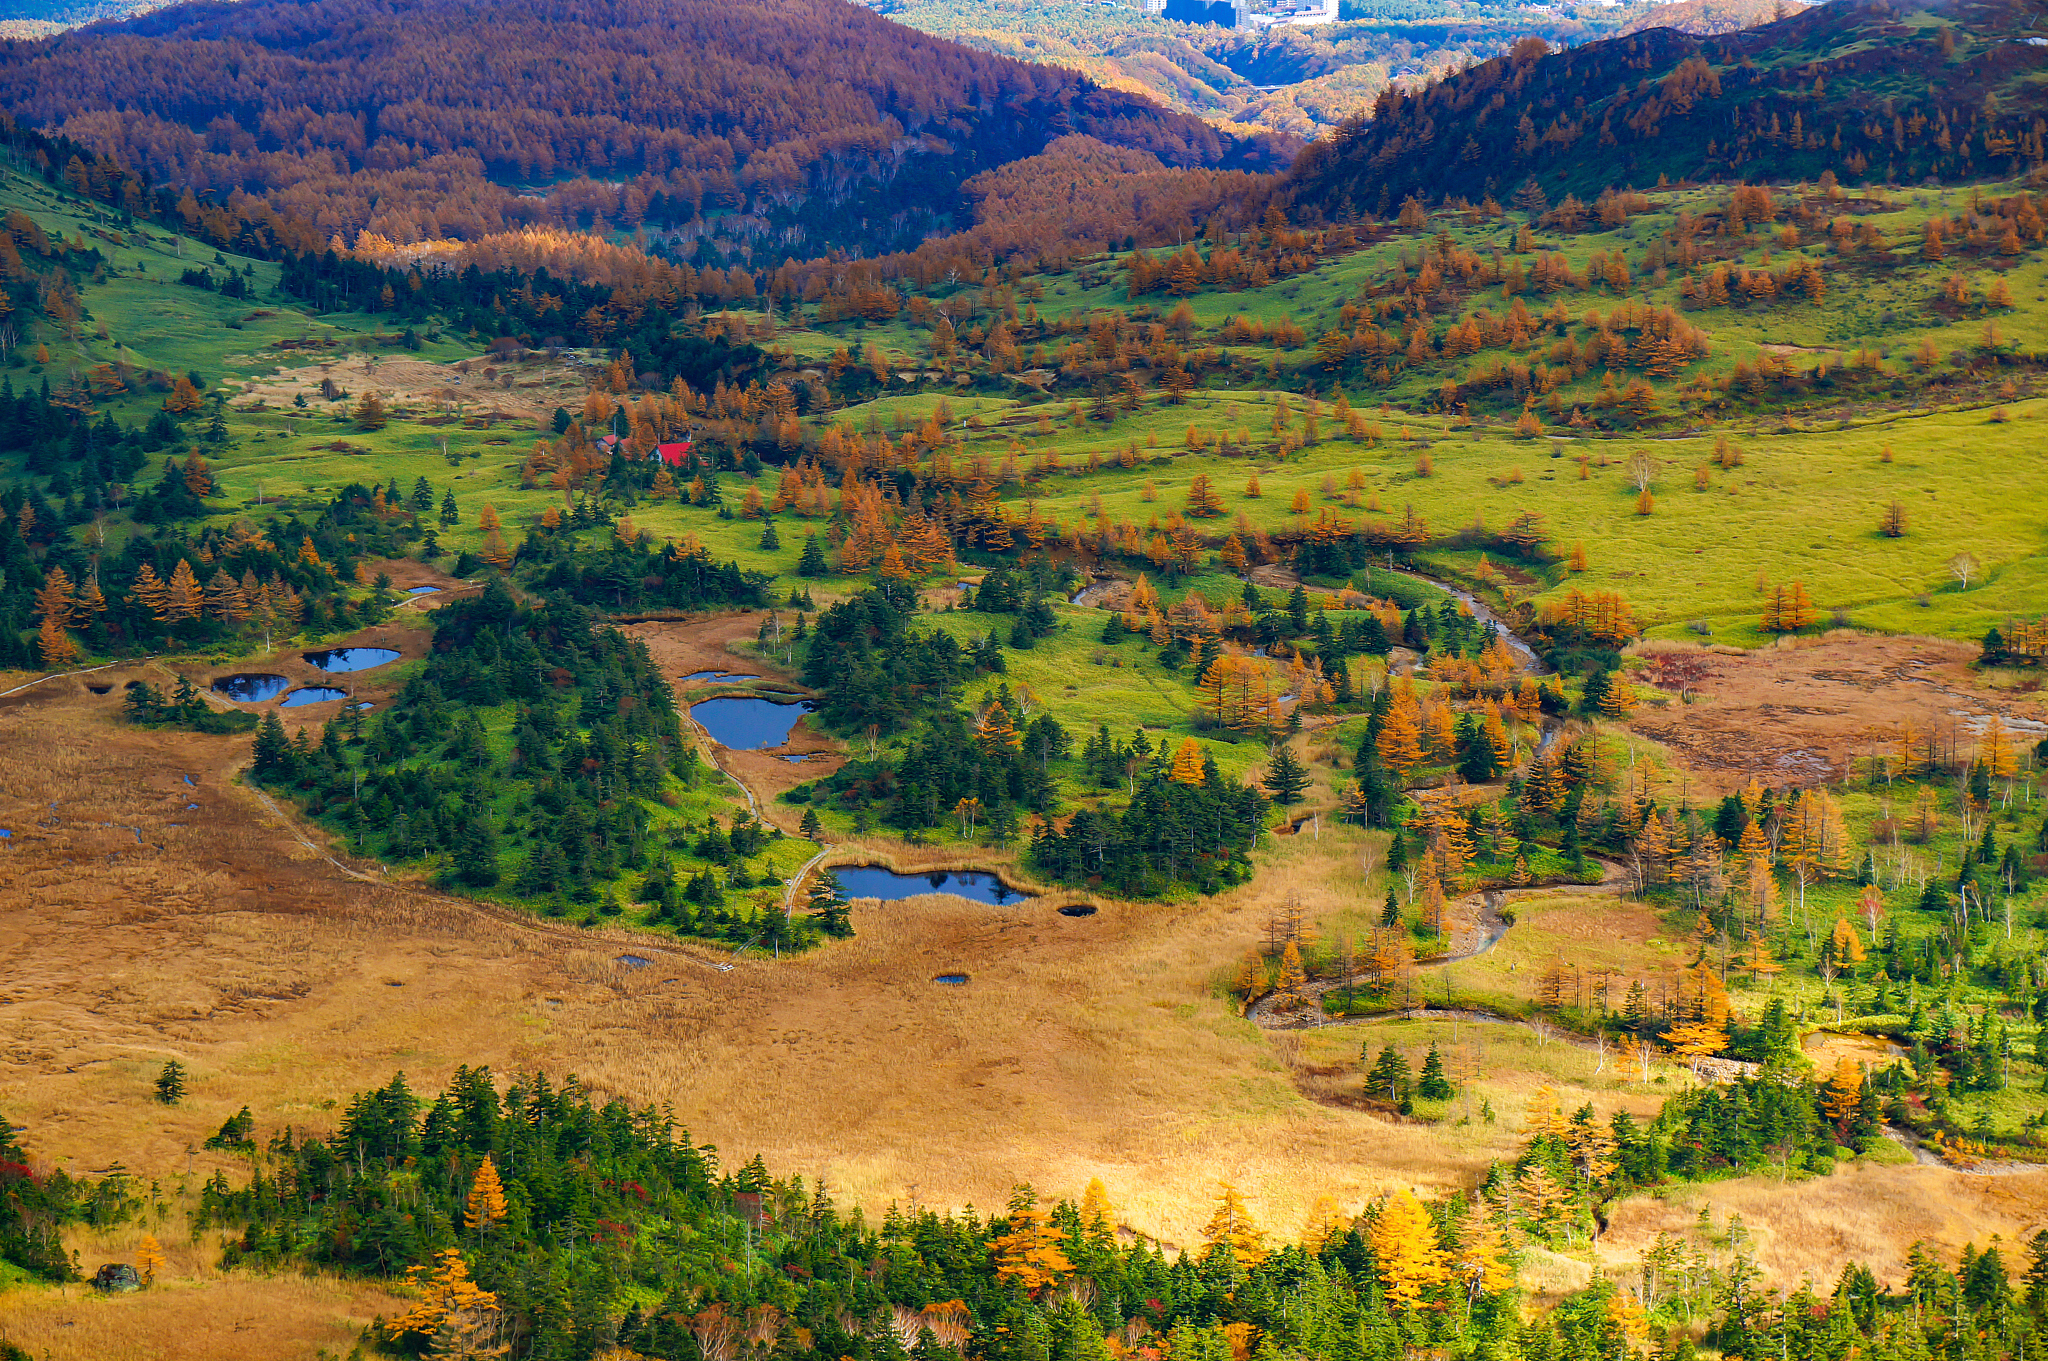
[{"x": 1261, "y": 14}]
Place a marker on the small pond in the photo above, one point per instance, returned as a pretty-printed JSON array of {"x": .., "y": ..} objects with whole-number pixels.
[
  {"x": 249, "y": 687},
  {"x": 99, "y": 689},
  {"x": 311, "y": 694},
  {"x": 421, "y": 590},
  {"x": 720, "y": 677},
  {"x": 956, "y": 979},
  {"x": 1078, "y": 910},
  {"x": 336, "y": 659},
  {"x": 873, "y": 881},
  {"x": 635, "y": 961},
  {"x": 747, "y": 722}
]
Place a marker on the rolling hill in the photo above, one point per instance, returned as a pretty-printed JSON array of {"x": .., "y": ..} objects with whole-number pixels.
[
  {"x": 802, "y": 125},
  {"x": 1860, "y": 88}
]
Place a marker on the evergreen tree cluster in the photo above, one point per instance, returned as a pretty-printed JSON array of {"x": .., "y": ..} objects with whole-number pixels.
[
  {"x": 594, "y": 735},
  {"x": 618, "y": 576},
  {"x": 146, "y": 705}
]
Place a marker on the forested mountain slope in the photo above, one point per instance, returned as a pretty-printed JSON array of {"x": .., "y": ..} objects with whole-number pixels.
[
  {"x": 1862, "y": 88},
  {"x": 813, "y": 124}
]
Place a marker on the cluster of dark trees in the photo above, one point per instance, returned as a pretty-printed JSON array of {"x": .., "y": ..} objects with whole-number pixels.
[
  {"x": 594, "y": 735},
  {"x": 36, "y": 1207},
  {"x": 1170, "y": 833},
  {"x": 617, "y": 576},
  {"x": 182, "y": 708},
  {"x": 314, "y": 558},
  {"x": 90, "y": 463},
  {"x": 1773, "y": 1120}
]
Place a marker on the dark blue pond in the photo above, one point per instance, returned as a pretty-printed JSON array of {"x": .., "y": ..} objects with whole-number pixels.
[
  {"x": 250, "y": 688},
  {"x": 720, "y": 677},
  {"x": 872, "y": 881},
  {"x": 955, "y": 979},
  {"x": 746, "y": 722},
  {"x": 421, "y": 590},
  {"x": 337, "y": 659},
  {"x": 311, "y": 694}
]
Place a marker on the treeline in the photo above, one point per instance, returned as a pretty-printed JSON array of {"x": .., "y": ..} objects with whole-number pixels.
[
  {"x": 826, "y": 126},
  {"x": 58, "y": 599},
  {"x": 36, "y": 1207},
  {"x": 536, "y": 1216}
]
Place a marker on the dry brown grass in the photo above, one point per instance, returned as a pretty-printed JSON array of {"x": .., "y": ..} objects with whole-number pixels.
[
  {"x": 1802, "y": 710},
  {"x": 237, "y": 1318},
  {"x": 1864, "y": 1212},
  {"x": 1090, "y": 1047}
]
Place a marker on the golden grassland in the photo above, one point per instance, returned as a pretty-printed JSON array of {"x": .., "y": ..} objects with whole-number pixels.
[{"x": 1082, "y": 1047}]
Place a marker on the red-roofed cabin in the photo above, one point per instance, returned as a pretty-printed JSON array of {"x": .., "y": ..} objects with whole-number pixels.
[{"x": 672, "y": 454}]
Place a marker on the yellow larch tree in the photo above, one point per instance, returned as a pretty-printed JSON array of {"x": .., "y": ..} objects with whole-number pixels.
[
  {"x": 1404, "y": 1241},
  {"x": 149, "y": 1259},
  {"x": 1324, "y": 1223},
  {"x": 1098, "y": 1219},
  {"x": 1231, "y": 1228},
  {"x": 1842, "y": 1091},
  {"x": 486, "y": 1197},
  {"x": 1483, "y": 1263},
  {"x": 184, "y": 599},
  {"x": 1292, "y": 974},
  {"x": 1187, "y": 762},
  {"x": 446, "y": 1293},
  {"x": 1030, "y": 1253}
]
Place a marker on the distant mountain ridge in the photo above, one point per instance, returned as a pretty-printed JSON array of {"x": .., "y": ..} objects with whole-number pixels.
[
  {"x": 1862, "y": 88},
  {"x": 801, "y": 126},
  {"x": 1709, "y": 18}
]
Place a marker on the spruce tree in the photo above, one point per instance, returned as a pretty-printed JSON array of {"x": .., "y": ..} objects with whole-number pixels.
[
  {"x": 1433, "y": 1085},
  {"x": 170, "y": 1083},
  {"x": 769, "y": 538},
  {"x": 272, "y": 752},
  {"x": 1285, "y": 777},
  {"x": 812, "y": 563}
]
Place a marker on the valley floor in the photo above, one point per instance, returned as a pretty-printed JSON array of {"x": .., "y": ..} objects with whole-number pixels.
[{"x": 166, "y": 912}]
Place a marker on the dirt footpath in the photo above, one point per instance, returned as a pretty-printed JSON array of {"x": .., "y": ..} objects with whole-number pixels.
[{"x": 1797, "y": 715}]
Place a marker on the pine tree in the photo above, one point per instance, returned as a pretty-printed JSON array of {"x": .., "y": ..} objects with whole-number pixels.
[
  {"x": 170, "y": 1083},
  {"x": 812, "y": 563},
  {"x": 272, "y": 751},
  {"x": 769, "y": 539}
]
